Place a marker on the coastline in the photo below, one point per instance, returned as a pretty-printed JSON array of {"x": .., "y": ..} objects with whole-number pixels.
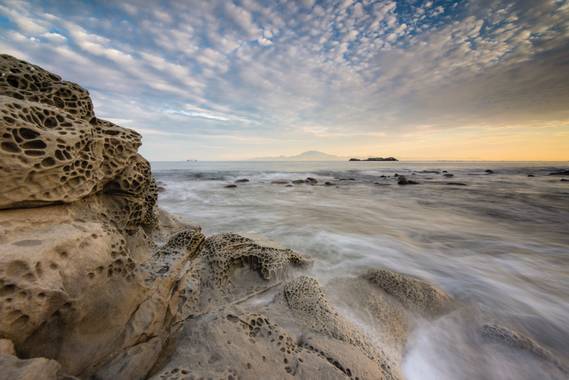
[{"x": 98, "y": 282}]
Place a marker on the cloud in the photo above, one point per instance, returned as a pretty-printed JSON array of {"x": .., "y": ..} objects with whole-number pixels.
[{"x": 346, "y": 71}]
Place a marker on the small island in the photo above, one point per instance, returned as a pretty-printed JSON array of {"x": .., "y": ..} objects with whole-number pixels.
[{"x": 375, "y": 159}]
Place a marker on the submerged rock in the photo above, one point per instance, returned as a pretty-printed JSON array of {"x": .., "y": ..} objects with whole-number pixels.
[
  {"x": 560, "y": 172},
  {"x": 412, "y": 292},
  {"x": 279, "y": 182},
  {"x": 402, "y": 180},
  {"x": 230, "y": 186},
  {"x": 493, "y": 333},
  {"x": 489, "y": 171},
  {"x": 242, "y": 180},
  {"x": 311, "y": 181}
]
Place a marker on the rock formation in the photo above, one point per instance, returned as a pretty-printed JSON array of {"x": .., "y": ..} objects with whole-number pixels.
[{"x": 97, "y": 283}]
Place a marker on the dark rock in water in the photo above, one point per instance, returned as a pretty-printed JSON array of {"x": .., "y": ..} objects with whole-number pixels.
[
  {"x": 396, "y": 175},
  {"x": 382, "y": 176},
  {"x": 230, "y": 186},
  {"x": 488, "y": 171},
  {"x": 381, "y": 184},
  {"x": 564, "y": 180},
  {"x": 279, "y": 182},
  {"x": 444, "y": 171},
  {"x": 382, "y": 159},
  {"x": 289, "y": 185},
  {"x": 493, "y": 333},
  {"x": 346, "y": 179},
  {"x": 455, "y": 184},
  {"x": 328, "y": 183},
  {"x": 298, "y": 181},
  {"x": 430, "y": 172},
  {"x": 560, "y": 172},
  {"x": 311, "y": 181},
  {"x": 242, "y": 180},
  {"x": 531, "y": 175},
  {"x": 404, "y": 181},
  {"x": 376, "y": 159},
  {"x": 448, "y": 175}
]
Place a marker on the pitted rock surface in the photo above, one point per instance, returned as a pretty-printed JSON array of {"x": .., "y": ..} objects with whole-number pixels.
[
  {"x": 412, "y": 292},
  {"x": 224, "y": 252},
  {"x": 53, "y": 149}
]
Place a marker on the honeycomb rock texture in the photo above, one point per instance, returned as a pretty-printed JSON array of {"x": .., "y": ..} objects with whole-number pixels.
[
  {"x": 412, "y": 292},
  {"x": 53, "y": 149},
  {"x": 225, "y": 251}
]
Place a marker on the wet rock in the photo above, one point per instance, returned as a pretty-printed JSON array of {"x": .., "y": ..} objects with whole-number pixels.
[
  {"x": 448, "y": 175},
  {"x": 230, "y": 186},
  {"x": 560, "y": 172},
  {"x": 430, "y": 172},
  {"x": 298, "y": 181},
  {"x": 531, "y": 175},
  {"x": 493, "y": 333},
  {"x": 289, "y": 185},
  {"x": 328, "y": 183},
  {"x": 455, "y": 183},
  {"x": 404, "y": 181},
  {"x": 489, "y": 171},
  {"x": 354, "y": 159},
  {"x": 412, "y": 292},
  {"x": 279, "y": 182},
  {"x": 242, "y": 180},
  {"x": 311, "y": 181},
  {"x": 564, "y": 180}
]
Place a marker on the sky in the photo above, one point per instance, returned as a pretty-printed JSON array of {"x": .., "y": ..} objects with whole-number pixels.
[{"x": 232, "y": 80}]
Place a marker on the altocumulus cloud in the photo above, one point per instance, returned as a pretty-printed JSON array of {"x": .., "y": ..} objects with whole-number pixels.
[{"x": 234, "y": 79}]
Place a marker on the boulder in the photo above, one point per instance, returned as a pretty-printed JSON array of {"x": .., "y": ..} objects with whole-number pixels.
[
  {"x": 402, "y": 180},
  {"x": 52, "y": 147},
  {"x": 311, "y": 181}
]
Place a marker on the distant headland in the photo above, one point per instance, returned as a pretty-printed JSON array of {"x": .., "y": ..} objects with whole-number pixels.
[{"x": 375, "y": 159}]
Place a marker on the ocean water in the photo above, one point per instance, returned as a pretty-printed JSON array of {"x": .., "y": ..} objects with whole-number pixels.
[{"x": 499, "y": 245}]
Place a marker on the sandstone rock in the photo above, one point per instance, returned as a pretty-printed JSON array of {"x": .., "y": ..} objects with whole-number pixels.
[
  {"x": 493, "y": 333},
  {"x": 52, "y": 147},
  {"x": 12, "y": 368},
  {"x": 412, "y": 292},
  {"x": 7, "y": 347}
]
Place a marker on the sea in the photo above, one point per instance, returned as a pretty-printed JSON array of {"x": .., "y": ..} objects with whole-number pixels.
[{"x": 494, "y": 235}]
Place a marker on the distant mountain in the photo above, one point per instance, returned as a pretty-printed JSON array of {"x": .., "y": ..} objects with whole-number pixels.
[{"x": 311, "y": 155}]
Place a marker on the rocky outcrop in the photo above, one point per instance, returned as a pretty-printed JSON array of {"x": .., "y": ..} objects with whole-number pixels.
[
  {"x": 97, "y": 283},
  {"x": 54, "y": 150}
]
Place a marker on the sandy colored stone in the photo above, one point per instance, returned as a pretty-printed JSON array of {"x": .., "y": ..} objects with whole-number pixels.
[
  {"x": 7, "y": 347},
  {"x": 412, "y": 292},
  {"x": 12, "y": 368},
  {"x": 52, "y": 147}
]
